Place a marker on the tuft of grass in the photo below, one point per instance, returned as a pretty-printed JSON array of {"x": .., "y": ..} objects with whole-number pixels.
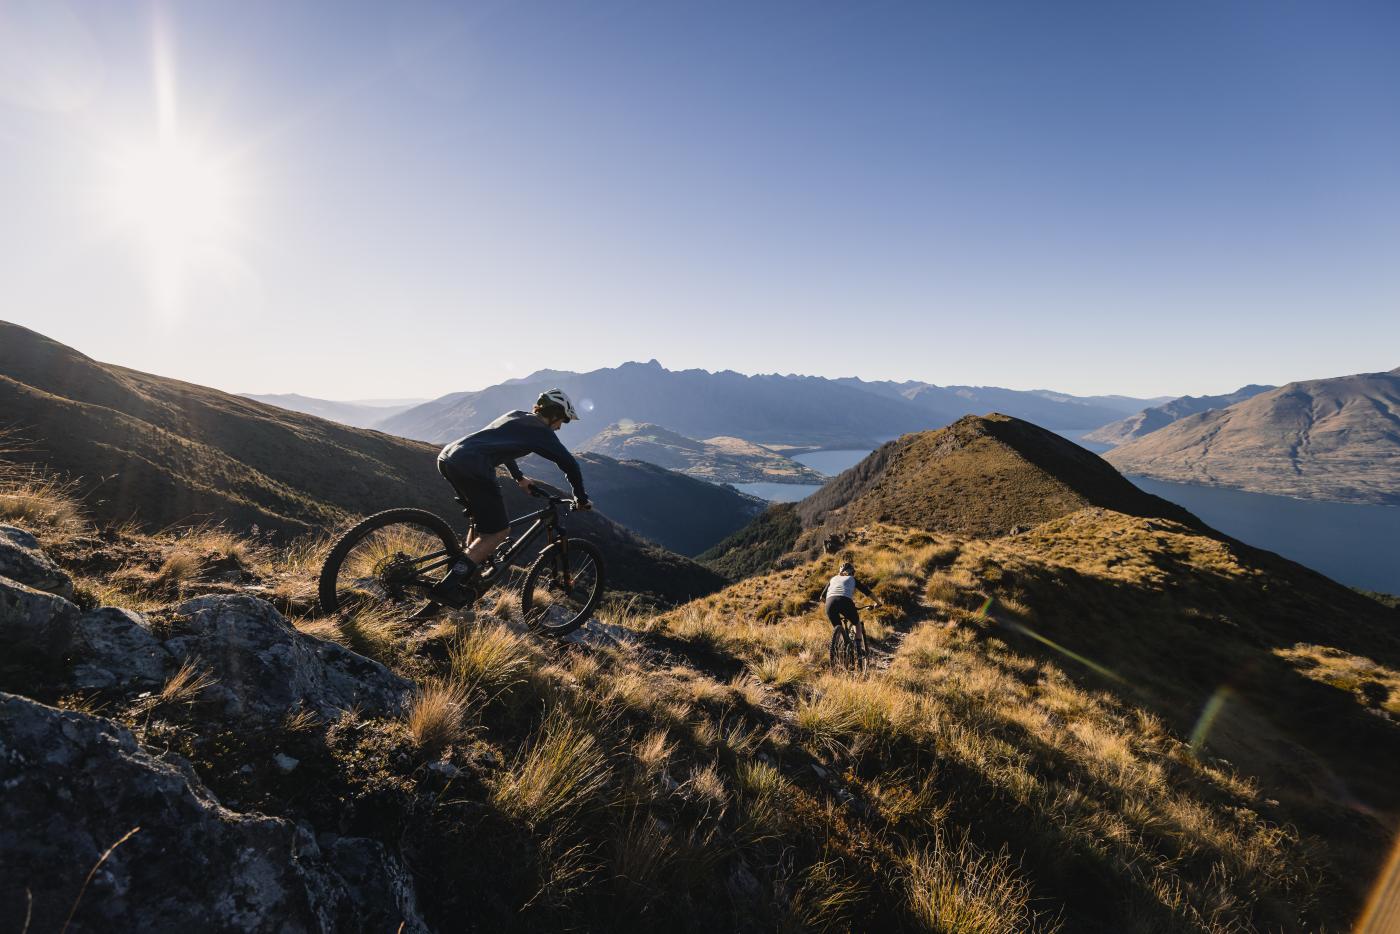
[
  {"x": 436, "y": 716},
  {"x": 40, "y": 504},
  {"x": 372, "y": 631},
  {"x": 826, "y": 900},
  {"x": 188, "y": 682},
  {"x": 654, "y": 751},
  {"x": 490, "y": 658},
  {"x": 781, "y": 671},
  {"x": 563, "y": 771},
  {"x": 180, "y": 566},
  {"x": 954, "y": 887},
  {"x": 301, "y": 721}
]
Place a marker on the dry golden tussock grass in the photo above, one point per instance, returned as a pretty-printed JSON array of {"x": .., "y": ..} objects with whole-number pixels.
[
  {"x": 38, "y": 503},
  {"x": 437, "y": 715},
  {"x": 563, "y": 770},
  {"x": 953, "y": 887},
  {"x": 491, "y": 657},
  {"x": 373, "y": 631},
  {"x": 182, "y": 688}
]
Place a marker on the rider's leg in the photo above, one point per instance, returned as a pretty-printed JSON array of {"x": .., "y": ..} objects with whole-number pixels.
[
  {"x": 483, "y": 499},
  {"x": 483, "y": 546},
  {"x": 848, "y": 609}
]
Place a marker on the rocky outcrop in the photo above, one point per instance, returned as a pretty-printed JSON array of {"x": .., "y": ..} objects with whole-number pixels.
[
  {"x": 75, "y": 785},
  {"x": 36, "y": 629},
  {"x": 115, "y": 648},
  {"x": 22, "y": 560},
  {"x": 264, "y": 667}
]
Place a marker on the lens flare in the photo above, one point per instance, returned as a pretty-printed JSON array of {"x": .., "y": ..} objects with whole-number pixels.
[
  {"x": 1382, "y": 912},
  {"x": 1213, "y": 706},
  {"x": 984, "y": 611}
]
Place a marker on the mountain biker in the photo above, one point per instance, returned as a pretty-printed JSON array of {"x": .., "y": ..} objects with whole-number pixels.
[
  {"x": 469, "y": 465},
  {"x": 839, "y": 594}
]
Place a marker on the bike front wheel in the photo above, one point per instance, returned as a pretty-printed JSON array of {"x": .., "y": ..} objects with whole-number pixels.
[
  {"x": 388, "y": 561},
  {"x": 563, "y": 587},
  {"x": 845, "y": 656}
]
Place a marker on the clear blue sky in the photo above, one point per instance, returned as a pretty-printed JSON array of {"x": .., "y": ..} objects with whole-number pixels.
[{"x": 401, "y": 199}]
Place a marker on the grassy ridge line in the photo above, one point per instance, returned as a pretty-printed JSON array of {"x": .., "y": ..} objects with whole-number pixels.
[
  {"x": 1165, "y": 620},
  {"x": 158, "y": 452},
  {"x": 983, "y": 477}
]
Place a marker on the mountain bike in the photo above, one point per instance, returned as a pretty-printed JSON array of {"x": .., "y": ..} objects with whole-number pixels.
[
  {"x": 392, "y": 559},
  {"x": 845, "y": 654}
]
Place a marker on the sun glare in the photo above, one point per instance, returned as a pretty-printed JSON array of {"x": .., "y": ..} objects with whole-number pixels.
[
  {"x": 175, "y": 197},
  {"x": 172, "y": 194}
]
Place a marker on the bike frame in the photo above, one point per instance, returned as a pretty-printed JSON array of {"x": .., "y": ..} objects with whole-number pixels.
[{"x": 547, "y": 520}]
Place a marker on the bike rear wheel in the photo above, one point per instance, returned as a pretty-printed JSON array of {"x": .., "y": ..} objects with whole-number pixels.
[
  {"x": 388, "y": 561},
  {"x": 563, "y": 587},
  {"x": 845, "y": 656}
]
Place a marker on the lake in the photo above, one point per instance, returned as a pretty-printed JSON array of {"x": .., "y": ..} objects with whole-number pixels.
[
  {"x": 830, "y": 463},
  {"x": 1353, "y": 544},
  {"x": 1350, "y": 543}
]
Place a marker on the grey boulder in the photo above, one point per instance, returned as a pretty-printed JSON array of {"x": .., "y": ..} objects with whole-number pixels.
[
  {"x": 115, "y": 648},
  {"x": 74, "y": 785},
  {"x": 36, "y": 629},
  {"x": 265, "y": 668},
  {"x": 22, "y": 560}
]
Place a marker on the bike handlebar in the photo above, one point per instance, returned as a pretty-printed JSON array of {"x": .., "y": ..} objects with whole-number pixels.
[{"x": 555, "y": 500}]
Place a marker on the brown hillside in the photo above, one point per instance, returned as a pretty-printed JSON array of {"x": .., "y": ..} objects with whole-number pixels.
[
  {"x": 159, "y": 451},
  {"x": 981, "y": 476},
  {"x": 1333, "y": 439},
  {"x": 1227, "y": 693}
]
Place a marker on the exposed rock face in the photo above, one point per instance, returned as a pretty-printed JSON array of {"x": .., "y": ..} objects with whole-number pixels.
[
  {"x": 265, "y": 667},
  {"x": 36, "y": 629},
  {"x": 74, "y": 785},
  {"x": 115, "y": 648},
  {"x": 21, "y": 560}
]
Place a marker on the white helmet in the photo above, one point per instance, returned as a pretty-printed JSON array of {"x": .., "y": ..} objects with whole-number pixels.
[{"x": 558, "y": 399}]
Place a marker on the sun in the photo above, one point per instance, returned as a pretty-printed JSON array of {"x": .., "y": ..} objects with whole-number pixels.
[
  {"x": 178, "y": 201},
  {"x": 173, "y": 194}
]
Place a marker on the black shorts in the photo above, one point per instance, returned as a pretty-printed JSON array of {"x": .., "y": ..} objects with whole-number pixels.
[
  {"x": 476, "y": 485},
  {"x": 842, "y": 606}
]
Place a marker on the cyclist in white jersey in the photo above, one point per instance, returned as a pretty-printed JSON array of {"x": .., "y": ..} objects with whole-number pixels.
[{"x": 839, "y": 594}]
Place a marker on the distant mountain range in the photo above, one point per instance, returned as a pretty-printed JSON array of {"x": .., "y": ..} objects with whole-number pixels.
[
  {"x": 159, "y": 451},
  {"x": 1149, "y": 420},
  {"x": 362, "y": 413},
  {"x": 720, "y": 460},
  {"x": 771, "y": 410},
  {"x": 1334, "y": 439}
]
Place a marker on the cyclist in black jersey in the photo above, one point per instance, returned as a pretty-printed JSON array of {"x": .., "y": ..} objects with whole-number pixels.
[{"x": 470, "y": 463}]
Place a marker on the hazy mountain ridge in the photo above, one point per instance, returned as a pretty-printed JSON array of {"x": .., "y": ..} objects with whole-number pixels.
[
  {"x": 1151, "y": 419},
  {"x": 768, "y": 409},
  {"x": 356, "y": 414},
  {"x": 160, "y": 452},
  {"x": 719, "y": 460},
  {"x": 1045, "y": 407},
  {"x": 695, "y": 403},
  {"x": 1333, "y": 439}
]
